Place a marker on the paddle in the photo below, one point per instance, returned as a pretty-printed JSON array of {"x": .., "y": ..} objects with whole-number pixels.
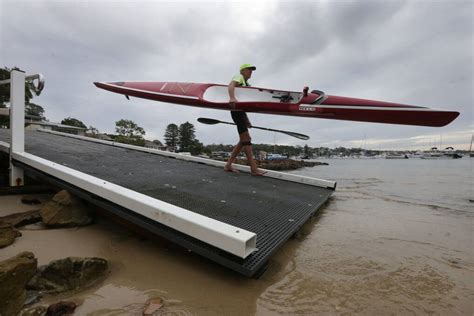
[{"x": 213, "y": 121}]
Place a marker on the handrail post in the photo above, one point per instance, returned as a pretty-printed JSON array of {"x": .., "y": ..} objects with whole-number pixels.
[{"x": 17, "y": 123}]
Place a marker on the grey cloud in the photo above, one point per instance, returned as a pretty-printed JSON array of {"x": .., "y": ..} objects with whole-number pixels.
[{"x": 408, "y": 52}]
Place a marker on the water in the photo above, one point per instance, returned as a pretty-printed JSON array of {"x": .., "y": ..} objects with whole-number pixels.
[
  {"x": 444, "y": 183},
  {"x": 396, "y": 238}
]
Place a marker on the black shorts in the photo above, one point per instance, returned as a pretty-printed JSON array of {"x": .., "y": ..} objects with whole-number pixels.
[{"x": 240, "y": 119}]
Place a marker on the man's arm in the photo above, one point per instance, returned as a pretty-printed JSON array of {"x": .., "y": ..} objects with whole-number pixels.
[{"x": 231, "y": 88}]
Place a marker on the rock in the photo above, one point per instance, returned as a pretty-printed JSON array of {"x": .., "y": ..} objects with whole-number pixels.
[
  {"x": 152, "y": 306},
  {"x": 32, "y": 297},
  {"x": 34, "y": 311},
  {"x": 14, "y": 275},
  {"x": 284, "y": 164},
  {"x": 65, "y": 210},
  {"x": 7, "y": 234},
  {"x": 23, "y": 218},
  {"x": 30, "y": 200},
  {"x": 61, "y": 308},
  {"x": 68, "y": 274}
]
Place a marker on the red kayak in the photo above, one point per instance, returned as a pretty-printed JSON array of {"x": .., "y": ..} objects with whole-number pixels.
[{"x": 270, "y": 101}]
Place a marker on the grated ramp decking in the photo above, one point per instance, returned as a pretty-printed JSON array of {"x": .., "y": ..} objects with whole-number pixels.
[{"x": 274, "y": 209}]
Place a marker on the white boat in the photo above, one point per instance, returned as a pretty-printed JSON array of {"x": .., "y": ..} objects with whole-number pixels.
[
  {"x": 418, "y": 154},
  {"x": 434, "y": 153},
  {"x": 449, "y": 152},
  {"x": 276, "y": 157},
  {"x": 393, "y": 156}
]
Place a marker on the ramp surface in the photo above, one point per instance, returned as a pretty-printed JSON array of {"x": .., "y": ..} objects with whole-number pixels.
[{"x": 274, "y": 209}]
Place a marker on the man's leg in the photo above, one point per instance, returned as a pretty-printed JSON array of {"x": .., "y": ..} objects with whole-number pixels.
[
  {"x": 253, "y": 165},
  {"x": 245, "y": 140},
  {"x": 241, "y": 127},
  {"x": 235, "y": 152}
]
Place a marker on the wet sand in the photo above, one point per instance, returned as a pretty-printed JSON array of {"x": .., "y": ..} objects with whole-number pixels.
[{"x": 384, "y": 244}]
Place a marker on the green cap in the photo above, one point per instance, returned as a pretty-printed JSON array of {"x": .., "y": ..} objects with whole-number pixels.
[{"x": 245, "y": 66}]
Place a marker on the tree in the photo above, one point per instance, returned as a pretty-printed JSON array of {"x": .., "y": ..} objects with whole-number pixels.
[
  {"x": 35, "y": 110},
  {"x": 128, "y": 128},
  {"x": 186, "y": 136},
  {"x": 186, "y": 139},
  {"x": 129, "y": 132},
  {"x": 306, "y": 150},
  {"x": 73, "y": 122},
  {"x": 171, "y": 135},
  {"x": 93, "y": 132},
  {"x": 157, "y": 142},
  {"x": 197, "y": 147}
]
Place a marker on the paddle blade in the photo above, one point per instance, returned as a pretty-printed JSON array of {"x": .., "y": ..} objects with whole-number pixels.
[
  {"x": 208, "y": 121},
  {"x": 297, "y": 135}
]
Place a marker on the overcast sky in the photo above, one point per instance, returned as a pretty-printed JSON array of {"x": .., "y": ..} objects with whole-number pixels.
[{"x": 413, "y": 52}]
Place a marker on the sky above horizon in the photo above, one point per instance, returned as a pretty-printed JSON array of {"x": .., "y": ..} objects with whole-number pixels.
[{"x": 412, "y": 52}]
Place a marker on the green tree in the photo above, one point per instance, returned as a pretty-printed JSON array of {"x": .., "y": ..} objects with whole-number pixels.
[
  {"x": 307, "y": 151},
  {"x": 187, "y": 136},
  {"x": 35, "y": 110},
  {"x": 197, "y": 147},
  {"x": 73, "y": 122},
  {"x": 93, "y": 132},
  {"x": 171, "y": 135},
  {"x": 129, "y": 132}
]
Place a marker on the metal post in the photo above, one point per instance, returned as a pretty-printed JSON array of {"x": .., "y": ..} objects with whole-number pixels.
[{"x": 17, "y": 123}]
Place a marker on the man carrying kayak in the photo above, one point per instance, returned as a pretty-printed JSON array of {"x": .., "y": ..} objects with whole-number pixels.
[{"x": 242, "y": 121}]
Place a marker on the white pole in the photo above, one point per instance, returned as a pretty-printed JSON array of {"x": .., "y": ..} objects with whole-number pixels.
[{"x": 17, "y": 123}]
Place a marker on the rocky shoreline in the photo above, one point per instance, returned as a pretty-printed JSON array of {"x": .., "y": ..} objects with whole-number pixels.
[
  {"x": 23, "y": 283},
  {"x": 283, "y": 165}
]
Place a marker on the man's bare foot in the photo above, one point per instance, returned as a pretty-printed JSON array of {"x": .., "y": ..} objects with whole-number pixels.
[
  {"x": 258, "y": 173},
  {"x": 230, "y": 169}
]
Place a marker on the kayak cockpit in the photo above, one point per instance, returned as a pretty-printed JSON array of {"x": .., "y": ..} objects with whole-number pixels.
[{"x": 220, "y": 94}]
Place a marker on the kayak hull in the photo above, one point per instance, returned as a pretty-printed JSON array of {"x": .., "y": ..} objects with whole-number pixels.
[{"x": 278, "y": 102}]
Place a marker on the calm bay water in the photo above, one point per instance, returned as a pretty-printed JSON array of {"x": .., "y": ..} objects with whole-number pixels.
[
  {"x": 396, "y": 238},
  {"x": 441, "y": 182}
]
